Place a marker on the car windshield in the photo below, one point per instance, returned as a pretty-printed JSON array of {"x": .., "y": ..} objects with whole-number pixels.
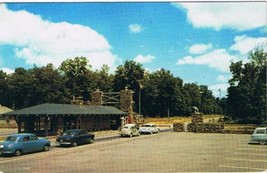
[
  {"x": 146, "y": 125},
  {"x": 11, "y": 138},
  {"x": 125, "y": 127},
  {"x": 69, "y": 133}
]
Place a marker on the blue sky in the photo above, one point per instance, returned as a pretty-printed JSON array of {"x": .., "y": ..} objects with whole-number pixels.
[{"x": 195, "y": 41}]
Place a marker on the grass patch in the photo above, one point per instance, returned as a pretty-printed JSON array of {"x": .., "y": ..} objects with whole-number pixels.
[
  {"x": 177, "y": 119},
  {"x": 239, "y": 126}
]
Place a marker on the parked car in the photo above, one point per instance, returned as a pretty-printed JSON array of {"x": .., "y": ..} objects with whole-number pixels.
[
  {"x": 259, "y": 135},
  {"x": 149, "y": 128},
  {"x": 75, "y": 137},
  {"x": 129, "y": 130},
  {"x": 24, "y": 143}
]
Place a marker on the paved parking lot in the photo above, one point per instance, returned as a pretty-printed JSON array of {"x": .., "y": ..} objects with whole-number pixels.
[{"x": 163, "y": 152}]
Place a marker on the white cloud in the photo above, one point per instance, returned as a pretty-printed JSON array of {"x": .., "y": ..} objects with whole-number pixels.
[
  {"x": 239, "y": 16},
  {"x": 218, "y": 59},
  {"x": 244, "y": 44},
  {"x": 135, "y": 28},
  {"x": 39, "y": 41},
  {"x": 144, "y": 59},
  {"x": 7, "y": 70},
  {"x": 223, "y": 78},
  {"x": 200, "y": 48}
]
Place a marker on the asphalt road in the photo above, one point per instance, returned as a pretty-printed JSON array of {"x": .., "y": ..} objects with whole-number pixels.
[{"x": 163, "y": 152}]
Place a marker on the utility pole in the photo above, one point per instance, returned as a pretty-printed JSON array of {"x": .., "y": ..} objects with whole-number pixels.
[{"x": 139, "y": 96}]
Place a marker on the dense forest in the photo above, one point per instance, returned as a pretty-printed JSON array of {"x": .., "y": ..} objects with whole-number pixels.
[{"x": 160, "y": 93}]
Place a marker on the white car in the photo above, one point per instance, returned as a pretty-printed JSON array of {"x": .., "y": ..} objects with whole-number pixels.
[
  {"x": 129, "y": 130},
  {"x": 259, "y": 135},
  {"x": 149, "y": 128}
]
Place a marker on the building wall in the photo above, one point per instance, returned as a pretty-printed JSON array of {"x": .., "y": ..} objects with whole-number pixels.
[{"x": 54, "y": 124}]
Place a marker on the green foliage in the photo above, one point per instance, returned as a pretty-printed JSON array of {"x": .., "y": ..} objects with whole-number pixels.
[
  {"x": 20, "y": 87},
  {"x": 3, "y": 87},
  {"x": 79, "y": 77},
  {"x": 131, "y": 75},
  {"x": 128, "y": 75},
  {"x": 102, "y": 79},
  {"x": 246, "y": 100},
  {"x": 161, "y": 93},
  {"x": 35, "y": 86},
  {"x": 48, "y": 86}
]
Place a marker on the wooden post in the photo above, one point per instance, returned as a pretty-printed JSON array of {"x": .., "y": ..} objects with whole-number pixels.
[
  {"x": 18, "y": 123},
  {"x": 46, "y": 125}
]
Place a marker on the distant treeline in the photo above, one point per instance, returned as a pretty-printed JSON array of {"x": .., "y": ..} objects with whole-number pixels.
[{"x": 160, "y": 93}]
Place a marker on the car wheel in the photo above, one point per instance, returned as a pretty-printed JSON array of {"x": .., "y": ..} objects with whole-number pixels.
[
  {"x": 46, "y": 147},
  {"x": 74, "y": 144},
  {"x": 151, "y": 132},
  {"x": 262, "y": 142},
  {"x": 18, "y": 153},
  {"x": 131, "y": 135}
]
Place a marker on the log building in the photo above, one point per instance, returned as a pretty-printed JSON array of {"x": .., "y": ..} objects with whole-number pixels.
[{"x": 46, "y": 119}]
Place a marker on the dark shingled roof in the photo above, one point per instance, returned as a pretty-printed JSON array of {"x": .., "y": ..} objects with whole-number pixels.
[{"x": 67, "y": 109}]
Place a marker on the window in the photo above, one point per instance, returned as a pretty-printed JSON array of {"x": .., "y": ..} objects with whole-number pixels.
[
  {"x": 260, "y": 131},
  {"x": 11, "y": 138},
  {"x": 33, "y": 138},
  {"x": 26, "y": 139},
  {"x": 68, "y": 133},
  {"x": 79, "y": 133}
]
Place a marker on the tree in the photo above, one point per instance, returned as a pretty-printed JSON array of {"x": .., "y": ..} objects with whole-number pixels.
[
  {"x": 192, "y": 97},
  {"x": 102, "y": 79},
  {"x": 247, "y": 92},
  {"x": 130, "y": 75},
  {"x": 48, "y": 86},
  {"x": 209, "y": 104},
  {"x": 20, "y": 87},
  {"x": 162, "y": 94},
  {"x": 79, "y": 77},
  {"x": 4, "y": 88}
]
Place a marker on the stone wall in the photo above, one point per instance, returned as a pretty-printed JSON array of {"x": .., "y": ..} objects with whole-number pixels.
[
  {"x": 205, "y": 127},
  {"x": 178, "y": 127},
  {"x": 197, "y": 118}
]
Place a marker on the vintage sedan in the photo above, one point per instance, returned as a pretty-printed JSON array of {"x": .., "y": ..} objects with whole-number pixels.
[
  {"x": 149, "y": 128},
  {"x": 75, "y": 137},
  {"x": 129, "y": 130},
  {"x": 259, "y": 135},
  {"x": 24, "y": 143}
]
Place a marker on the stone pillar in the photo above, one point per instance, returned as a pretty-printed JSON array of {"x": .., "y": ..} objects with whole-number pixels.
[
  {"x": 46, "y": 125},
  {"x": 126, "y": 100},
  {"x": 197, "y": 118},
  {"x": 97, "y": 98}
]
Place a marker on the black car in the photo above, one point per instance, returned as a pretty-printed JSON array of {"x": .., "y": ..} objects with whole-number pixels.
[{"x": 75, "y": 137}]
